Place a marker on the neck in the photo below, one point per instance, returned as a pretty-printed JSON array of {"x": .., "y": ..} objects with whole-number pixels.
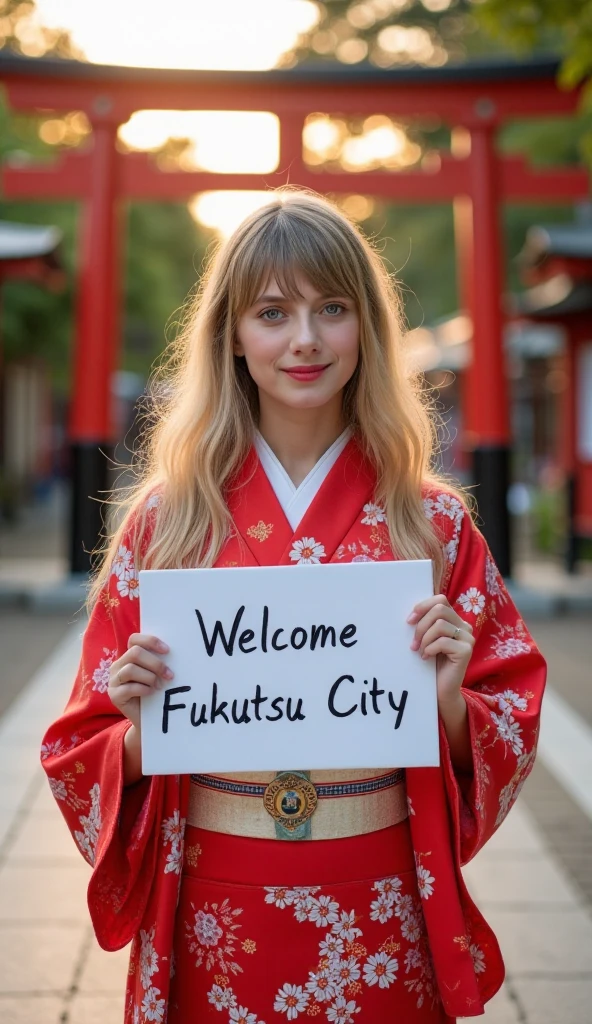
[{"x": 299, "y": 437}]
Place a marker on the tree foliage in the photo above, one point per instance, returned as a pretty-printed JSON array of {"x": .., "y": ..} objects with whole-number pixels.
[
  {"x": 563, "y": 27},
  {"x": 559, "y": 26},
  {"x": 395, "y": 32}
]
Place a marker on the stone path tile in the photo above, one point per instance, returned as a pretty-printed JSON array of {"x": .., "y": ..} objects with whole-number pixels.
[
  {"x": 545, "y": 942},
  {"x": 534, "y": 881},
  {"x": 32, "y": 1010},
  {"x": 555, "y": 1001},
  {"x": 38, "y": 959},
  {"x": 517, "y": 834},
  {"x": 21, "y": 657},
  {"x": 104, "y": 973},
  {"x": 564, "y": 826},
  {"x": 43, "y": 804},
  {"x": 95, "y": 1010},
  {"x": 44, "y": 840},
  {"x": 44, "y": 895},
  {"x": 499, "y": 1010}
]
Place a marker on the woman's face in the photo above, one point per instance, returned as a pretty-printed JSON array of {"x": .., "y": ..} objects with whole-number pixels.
[{"x": 300, "y": 352}]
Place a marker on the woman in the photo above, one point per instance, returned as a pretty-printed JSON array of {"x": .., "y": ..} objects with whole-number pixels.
[{"x": 289, "y": 434}]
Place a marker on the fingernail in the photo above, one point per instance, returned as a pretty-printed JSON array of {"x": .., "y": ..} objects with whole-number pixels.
[
  {"x": 168, "y": 674},
  {"x": 414, "y": 645},
  {"x": 162, "y": 646}
]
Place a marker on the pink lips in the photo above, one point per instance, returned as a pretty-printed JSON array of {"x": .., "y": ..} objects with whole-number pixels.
[{"x": 306, "y": 373}]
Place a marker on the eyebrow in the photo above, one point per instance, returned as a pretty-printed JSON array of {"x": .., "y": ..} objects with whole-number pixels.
[{"x": 286, "y": 298}]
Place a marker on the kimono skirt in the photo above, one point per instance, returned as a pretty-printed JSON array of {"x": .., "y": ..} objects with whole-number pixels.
[{"x": 299, "y": 898}]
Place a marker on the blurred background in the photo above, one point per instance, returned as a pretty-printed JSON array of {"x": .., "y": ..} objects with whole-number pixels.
[{"x": 545, "y": 236}]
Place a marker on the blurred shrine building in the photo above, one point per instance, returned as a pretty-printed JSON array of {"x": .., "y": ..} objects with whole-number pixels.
[
  {"x": 27, "y": 253},
  {"x": 473, "y": 100},
  {"x": 547, "y": 341},
  {"x": 557, "y": 264}
]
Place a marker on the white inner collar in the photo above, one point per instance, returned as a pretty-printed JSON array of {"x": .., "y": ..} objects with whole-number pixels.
[{"x": 295, "y": 501}]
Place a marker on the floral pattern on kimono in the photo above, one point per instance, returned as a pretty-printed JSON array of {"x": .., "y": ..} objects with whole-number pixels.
[{"x": 134, "y": 836}]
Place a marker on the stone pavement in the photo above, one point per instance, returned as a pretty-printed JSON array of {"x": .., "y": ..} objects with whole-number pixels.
[{"x": 52, "y": 971}]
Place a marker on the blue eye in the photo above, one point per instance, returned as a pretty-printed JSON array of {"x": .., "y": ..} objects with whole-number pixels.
[
  {"x": 335, "y": 306},
  {"x": 271, "y": 319}
]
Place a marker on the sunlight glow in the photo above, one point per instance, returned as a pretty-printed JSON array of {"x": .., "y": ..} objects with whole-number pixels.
[
  {"x": 224, "y": 141},
  {"x": 223, "y": 211},
  {"x": 230, "y": 35},
  {"x": 235, "y": 35},
  {"x": 381, "y": 143}
]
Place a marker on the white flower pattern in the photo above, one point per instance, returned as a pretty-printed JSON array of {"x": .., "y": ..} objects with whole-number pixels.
[
  {"x": 173, "y": 832},
  {"x": 148, "y": 956},
  {"x": 380, "y": 970},
  {"x": 307, "y": 551},
  {"x": 58, "y": 788},
  {"x": 91, "y": 823},
  {"x": 344, "y": 962},
  {"x": 472, "y": 601},
  {"x": 374, "y": 514},
  {"x": 101, "y": 674},
  {"x": 291, "y": 1000}
]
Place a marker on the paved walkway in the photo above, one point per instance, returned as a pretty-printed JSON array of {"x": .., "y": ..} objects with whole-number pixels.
[{"x": 52, "y": 972}]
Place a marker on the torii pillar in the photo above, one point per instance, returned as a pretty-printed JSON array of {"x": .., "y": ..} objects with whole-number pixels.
[
  {"x": 485, "y": 390},
  {"x": 91, "y": 426}
]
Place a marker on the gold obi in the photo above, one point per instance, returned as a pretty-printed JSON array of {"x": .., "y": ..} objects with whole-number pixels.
[{"x": 298, "y": 805}]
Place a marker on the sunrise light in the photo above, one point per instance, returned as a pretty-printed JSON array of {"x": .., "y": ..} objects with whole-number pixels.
[{"x": 231, "y": 35}]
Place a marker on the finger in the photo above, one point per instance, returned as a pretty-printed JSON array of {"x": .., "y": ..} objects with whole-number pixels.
[
  {"x": 424, "y": 606},
  {"x": 133, "y": 674},
  {"x": 439, "y": 612},
  {"x": 456, "y": 650},
  {"x": 445, "y": 629},
  {"x": 122, "y": 694},
  {"x": 137, "y": 655},
  {"x": 149, "y": 642}
]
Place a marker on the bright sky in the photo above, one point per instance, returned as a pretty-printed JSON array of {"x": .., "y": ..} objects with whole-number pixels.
[
  {"x": 224, "y": 34},
  {"x": 230, "y": 34}
]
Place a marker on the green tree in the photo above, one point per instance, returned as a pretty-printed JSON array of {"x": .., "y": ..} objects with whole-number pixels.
[
  {"x": 562, "y": 27},
  {"x": 395, "y": 33}
]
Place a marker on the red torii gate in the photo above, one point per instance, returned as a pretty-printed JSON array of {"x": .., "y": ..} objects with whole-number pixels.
[{"x": 477, "y": 96}]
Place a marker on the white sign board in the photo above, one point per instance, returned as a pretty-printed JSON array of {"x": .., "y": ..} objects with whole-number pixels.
[{"x": 283, "y": 667}]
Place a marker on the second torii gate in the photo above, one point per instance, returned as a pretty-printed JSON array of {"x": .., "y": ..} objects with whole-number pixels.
[{"x": 477, "y": 97}]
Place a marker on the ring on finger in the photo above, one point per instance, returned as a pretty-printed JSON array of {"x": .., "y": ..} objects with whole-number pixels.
[
  {"x": 119, "y": 677},
  {"x": 456, "y": 633}
]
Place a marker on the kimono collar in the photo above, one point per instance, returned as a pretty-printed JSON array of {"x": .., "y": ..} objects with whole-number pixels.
[{"x": 262, "y": 525}]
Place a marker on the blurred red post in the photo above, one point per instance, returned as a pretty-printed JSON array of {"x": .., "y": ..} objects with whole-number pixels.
[
  {"x": 485, "y": 392},
  {"x": 96, "y": 345}
]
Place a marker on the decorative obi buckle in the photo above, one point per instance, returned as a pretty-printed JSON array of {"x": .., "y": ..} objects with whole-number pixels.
[{"x": 291, "y": 800}]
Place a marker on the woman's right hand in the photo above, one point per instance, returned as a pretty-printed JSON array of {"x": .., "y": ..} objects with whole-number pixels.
[{"x": 138, "y": 672}]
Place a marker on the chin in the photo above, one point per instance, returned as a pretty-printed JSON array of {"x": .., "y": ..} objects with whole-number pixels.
[{"x": 306, "y": 401}]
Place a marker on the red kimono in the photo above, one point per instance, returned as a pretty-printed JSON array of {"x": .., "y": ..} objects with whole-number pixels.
[{"x": 134, "y": 837}]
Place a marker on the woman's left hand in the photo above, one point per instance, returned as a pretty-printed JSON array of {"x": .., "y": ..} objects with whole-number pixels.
[{"x": 440, "y": 633}]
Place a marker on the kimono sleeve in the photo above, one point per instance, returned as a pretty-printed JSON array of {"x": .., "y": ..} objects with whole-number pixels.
[
  {"x": 503, "y": 686},
  {"x": 115, "y": 828}
]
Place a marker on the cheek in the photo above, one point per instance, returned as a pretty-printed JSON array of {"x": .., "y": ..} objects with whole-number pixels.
[
  {"x": 347, "y": 345},
  {"x": 261, "y": 350}
]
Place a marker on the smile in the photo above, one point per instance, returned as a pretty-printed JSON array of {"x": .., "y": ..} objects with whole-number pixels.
[{"x": 306, "y": 373}]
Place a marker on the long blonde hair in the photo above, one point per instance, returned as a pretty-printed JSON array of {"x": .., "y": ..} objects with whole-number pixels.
[{"x": 204, "y": 404}]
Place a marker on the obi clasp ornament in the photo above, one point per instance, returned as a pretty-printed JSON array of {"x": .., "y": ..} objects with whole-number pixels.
[{"x": 291, "y": 800}]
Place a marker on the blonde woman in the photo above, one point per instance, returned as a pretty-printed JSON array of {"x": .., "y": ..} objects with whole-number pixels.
[{"x": 287, "y": 433}]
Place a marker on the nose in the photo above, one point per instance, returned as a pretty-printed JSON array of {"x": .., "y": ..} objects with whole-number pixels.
[{"x": 305, "y": 337}]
